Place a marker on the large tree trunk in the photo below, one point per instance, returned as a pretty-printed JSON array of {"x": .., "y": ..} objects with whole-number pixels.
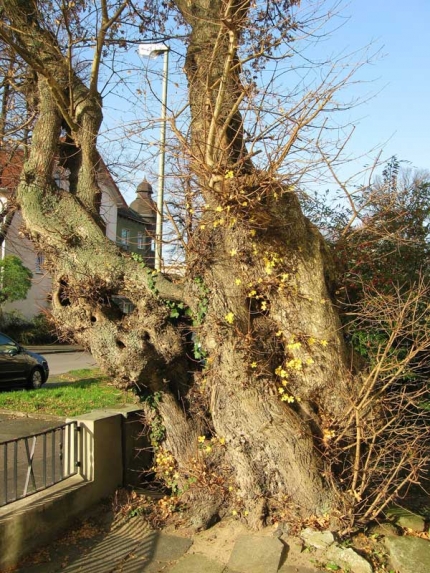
[{"x": 275, "y": 379}]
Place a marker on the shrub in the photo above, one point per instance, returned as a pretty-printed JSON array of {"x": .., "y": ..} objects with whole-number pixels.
[{"x": 38, "y": 330}]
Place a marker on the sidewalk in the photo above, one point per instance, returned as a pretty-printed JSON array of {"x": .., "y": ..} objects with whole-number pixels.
[
  {"x": 55, "y": 348},
  {"x": 15, "y": 425},
  {"x": 130, "y": 546}
]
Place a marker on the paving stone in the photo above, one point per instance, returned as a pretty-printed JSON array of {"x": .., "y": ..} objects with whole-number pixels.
[
  {"x": 164, "y": 549},
  {"x": 318, "y": 539},
  {"x": 409, "y": 554},
  {"x": 115, "y": 549},
  {"x": 170, "y": 547},
  {"x": 256, "y": 554},
  {"x": 406, "y": 518},
  {"x": 197, "y": 563},
  {"x": 348, "y": 557}
]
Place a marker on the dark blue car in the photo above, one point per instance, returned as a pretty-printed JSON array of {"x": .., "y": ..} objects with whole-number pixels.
[{"x": 21, "y": 367}]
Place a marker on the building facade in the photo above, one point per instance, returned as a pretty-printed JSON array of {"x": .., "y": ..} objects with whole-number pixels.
[{"x": 136, "y": 224}]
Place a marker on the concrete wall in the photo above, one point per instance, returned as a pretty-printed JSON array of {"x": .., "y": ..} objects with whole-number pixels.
[{"x": 107, "y": 441}]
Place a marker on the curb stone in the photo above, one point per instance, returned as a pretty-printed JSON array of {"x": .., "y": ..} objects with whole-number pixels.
[
  {"x": 405, "y": 518},
  {"x": 409, "y": 554},
  {"x": 54, "y": 349},
  {"x": 297, "y": 569},
  {"x": 348, "y": 557},
  {"x": 317, "y": 539}
]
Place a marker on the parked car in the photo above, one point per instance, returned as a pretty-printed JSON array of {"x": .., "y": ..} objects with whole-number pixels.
[{"x": 19, "y": 366}]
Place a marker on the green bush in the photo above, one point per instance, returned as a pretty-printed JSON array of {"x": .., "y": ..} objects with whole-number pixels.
[
  {"x": 28, "y": 332},
  {"x": 15, "y": 279}
]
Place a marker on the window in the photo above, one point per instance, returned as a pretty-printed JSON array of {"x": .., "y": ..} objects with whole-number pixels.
[
  {"x": 6, "y": 344},
  {"x": 125, "y": 236},
  {"x": 140, "y": 240},
  {"x": 40, "y": 260}
]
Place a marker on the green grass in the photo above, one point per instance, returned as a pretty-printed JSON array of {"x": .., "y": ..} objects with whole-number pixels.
[{"x": 83, "y": 391}]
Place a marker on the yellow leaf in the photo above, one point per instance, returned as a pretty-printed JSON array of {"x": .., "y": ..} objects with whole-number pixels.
[{"x": 229, "y": 317}]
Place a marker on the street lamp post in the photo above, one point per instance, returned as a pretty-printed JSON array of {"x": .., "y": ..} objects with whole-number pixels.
[
  {"x": 3, "y": 206},
  {"x": 152, "y": 51}
]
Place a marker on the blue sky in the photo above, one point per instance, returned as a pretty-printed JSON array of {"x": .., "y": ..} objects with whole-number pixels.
[
  {"x": 395, "y": 116},
  {"x": 399, "y": 114}
]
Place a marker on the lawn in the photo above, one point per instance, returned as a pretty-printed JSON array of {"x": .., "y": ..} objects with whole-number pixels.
[{"x": 80, "y": 392}]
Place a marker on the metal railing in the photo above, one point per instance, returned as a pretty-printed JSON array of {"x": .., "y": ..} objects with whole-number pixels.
[{"x": 37, "y": 462}]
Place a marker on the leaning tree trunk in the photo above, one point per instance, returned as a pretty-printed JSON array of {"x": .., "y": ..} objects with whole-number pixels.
[{"x": 275, "y": 378}]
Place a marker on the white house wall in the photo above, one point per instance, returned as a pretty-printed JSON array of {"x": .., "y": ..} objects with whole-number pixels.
[
  {"x": 37, "y": 298},
  {"x": 109, "y": 211}
]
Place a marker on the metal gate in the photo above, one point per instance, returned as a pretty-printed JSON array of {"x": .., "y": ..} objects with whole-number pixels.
[{"x": 37, "y": 462}]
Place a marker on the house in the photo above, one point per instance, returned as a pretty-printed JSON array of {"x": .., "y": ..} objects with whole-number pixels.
[
  {"x": 136, "y": 224},
  {"x": 132, "y": 228}
]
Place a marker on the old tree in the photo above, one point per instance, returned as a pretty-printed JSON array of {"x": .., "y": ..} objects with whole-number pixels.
[{"x": 252, "y": 428}]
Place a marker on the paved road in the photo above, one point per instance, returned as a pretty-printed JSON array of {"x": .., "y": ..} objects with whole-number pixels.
[{"x": 64, "y": 362}]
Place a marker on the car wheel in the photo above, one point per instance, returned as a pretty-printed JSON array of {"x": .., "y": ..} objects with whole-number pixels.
[{"x": 36, "y": 379}]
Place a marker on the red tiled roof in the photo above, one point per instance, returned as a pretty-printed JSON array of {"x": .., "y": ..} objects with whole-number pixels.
[{"x": 12, "y": 161}]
